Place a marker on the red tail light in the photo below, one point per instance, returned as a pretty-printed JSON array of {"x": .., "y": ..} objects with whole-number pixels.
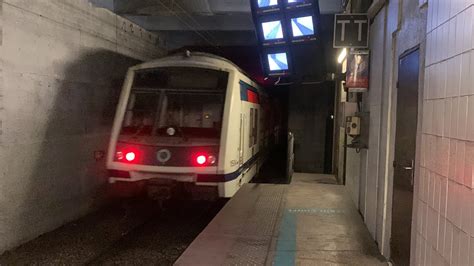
[
  {"x": 127, "y": 156},
  {"x": 201, "y": 160},
  {"x": 130, "y": 156},
  {"x": 205, "y": 159}
]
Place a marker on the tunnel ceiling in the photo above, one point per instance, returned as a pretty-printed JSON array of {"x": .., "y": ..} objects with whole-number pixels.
[{"x": 197, "y": 22}]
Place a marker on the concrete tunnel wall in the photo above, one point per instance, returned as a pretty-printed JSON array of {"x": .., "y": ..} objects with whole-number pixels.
[
  {"x": 62, "y": 65},
  {"x": 309, "y": 109}
]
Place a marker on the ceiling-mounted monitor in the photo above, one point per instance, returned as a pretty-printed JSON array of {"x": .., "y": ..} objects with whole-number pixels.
[
  {"x": 277, "y": 62},
  {"x": 267, "y": 3},
  {"x": 303, "y": 27},
  {"x": 295, "y": 2},
  {"x": 272, "y": 30},
  {"x": 265, "y": 6},
  {"x": 290, "y": 4}
]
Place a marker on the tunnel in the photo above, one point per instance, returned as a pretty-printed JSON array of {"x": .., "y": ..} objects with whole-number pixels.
[{"x": 237, "y": 132}]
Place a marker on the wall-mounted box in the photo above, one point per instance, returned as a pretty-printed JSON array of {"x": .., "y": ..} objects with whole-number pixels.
[
  {"x": 353, "y": 126},
  {"x": 360, "y": 133}
]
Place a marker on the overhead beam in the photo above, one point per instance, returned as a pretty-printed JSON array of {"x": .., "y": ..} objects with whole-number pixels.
[
  {"x": 330, "y": 6},
  {"x": 124, "y": 7},
  {"x": 159, "y": 7},
  {"x": 108, "y": 4},
  {"x": 177, "y": 39},
  {"x": 237, "y": 22}
]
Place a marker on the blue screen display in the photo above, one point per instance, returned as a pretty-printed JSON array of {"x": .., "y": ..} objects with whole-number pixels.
[
  {"x": 278, "y": 61},
  {"x": 272, "y": 30},
  {"x": 296, "y": 1},
  {"x": 267, "y": 3},
  {"x": 302, "y": 26}
]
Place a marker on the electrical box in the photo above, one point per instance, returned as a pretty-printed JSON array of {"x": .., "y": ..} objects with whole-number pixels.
[
  {"x": 353, "y": 126},
  {"x": 357, "y": 127}
]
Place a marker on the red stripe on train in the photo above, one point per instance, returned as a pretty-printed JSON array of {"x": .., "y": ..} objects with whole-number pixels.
[{"x": 252, "y": 96}]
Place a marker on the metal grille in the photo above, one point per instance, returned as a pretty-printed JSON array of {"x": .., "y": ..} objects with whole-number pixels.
[
  {"x": 248, "y": 251},
  {"x": 252, "y": 247},
  {"x": 261, "y": 221}
]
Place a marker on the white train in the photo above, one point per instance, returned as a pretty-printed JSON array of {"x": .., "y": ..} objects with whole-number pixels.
[{"x": 192, "y": 118}]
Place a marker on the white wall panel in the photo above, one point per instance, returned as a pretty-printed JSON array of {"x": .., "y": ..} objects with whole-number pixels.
[{"x": 454, "y": 218}]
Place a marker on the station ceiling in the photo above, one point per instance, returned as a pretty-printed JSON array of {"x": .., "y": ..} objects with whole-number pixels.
[{"x": 197, "y": 22}]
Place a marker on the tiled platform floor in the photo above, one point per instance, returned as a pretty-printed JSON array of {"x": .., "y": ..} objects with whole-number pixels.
[{"x": 308, "y": 222}]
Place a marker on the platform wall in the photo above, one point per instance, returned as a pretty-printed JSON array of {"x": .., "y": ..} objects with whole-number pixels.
[
  {"x": 396, "y": 27},
  {"x": 375, "y": 161},
  {"x": 443, "y": 216},
  {"x": 62, "y": 64},
  {"x": 444, "y": 213}
]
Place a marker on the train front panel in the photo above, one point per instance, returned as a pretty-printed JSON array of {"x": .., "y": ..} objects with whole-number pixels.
[{"x": 185, "y": 122}]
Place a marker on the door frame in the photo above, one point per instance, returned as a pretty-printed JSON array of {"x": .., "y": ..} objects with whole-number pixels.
[
  {"x": 421, "y": 67},
  {"x": 406, "y": 53}
]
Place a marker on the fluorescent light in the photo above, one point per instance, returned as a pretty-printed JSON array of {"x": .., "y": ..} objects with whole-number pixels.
[{"x": 342, "y": 56}]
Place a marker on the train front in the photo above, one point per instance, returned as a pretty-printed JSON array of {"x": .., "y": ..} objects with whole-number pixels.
[{"x": 167, "y": 130}]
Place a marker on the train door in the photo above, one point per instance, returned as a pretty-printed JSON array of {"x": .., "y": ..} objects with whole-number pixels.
[
  {"x": 243, "y": 120},
  {"x": 254, "y": 131},
  {"x": 249, "y": 131},
  {"x": 245, "y": 132}
]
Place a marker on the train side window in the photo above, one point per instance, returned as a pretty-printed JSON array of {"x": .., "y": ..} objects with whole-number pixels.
[{"x": 251, "y": 128}]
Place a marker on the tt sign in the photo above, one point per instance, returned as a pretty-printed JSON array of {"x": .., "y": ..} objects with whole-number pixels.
[{"x": 351, "y": 31}]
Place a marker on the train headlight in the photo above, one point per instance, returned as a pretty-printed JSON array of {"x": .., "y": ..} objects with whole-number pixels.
[{"x": 170, "y": 131}]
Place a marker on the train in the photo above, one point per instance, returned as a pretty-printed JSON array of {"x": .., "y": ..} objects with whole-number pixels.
[{"x": 194, "y": 119}]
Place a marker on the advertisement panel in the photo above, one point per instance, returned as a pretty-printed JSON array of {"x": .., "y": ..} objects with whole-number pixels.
[{"x": 357, "y": 75}]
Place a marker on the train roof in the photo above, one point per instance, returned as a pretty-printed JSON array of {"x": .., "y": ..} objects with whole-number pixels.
[{"x": 201, "y": 56}]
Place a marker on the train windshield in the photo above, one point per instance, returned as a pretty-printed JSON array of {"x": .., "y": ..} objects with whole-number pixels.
[{"x": 182, "y": 103}]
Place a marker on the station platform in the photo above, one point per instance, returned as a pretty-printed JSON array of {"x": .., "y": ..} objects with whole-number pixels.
[{"x": 304, "y": 223}]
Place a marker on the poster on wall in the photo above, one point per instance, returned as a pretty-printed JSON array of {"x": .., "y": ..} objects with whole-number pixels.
[{"x": 357, "y": 75}]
